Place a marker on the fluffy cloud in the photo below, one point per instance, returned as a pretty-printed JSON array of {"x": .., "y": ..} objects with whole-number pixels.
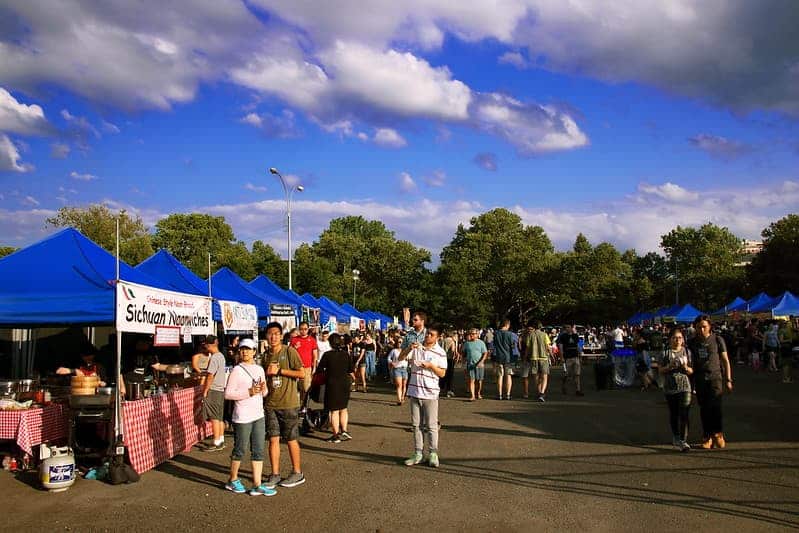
[
  {"x": 514, "y": 58},
  {"x": 531, "y": 128},
  {"x": 738, "y": 54},
  {"x": 406, "y": 183},
  {"x": 59, "y": 150},
  {"x": 121, "y": 54},
  {"x": 389, "y": 138},
  {"x": 10, "y": 158},
  {"x": 19, "y": 118},
  {"x": 30, "y": 201},
  {"x": 254, "y": 188},
  {"x": 486, "y": 161},
  {"x": 667, "y": 191},
  {"x": 436, "y": 179},
  {"x": 719, "y": 147},
  {"x": 282, "y": 126}
]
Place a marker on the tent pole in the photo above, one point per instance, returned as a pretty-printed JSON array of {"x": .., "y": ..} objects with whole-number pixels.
[
  {"x": 118, "y": 396},
  {"x": 209, "y": 274}
]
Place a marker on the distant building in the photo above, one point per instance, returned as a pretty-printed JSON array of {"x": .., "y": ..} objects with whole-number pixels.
[{"x": 749, "y": 249}]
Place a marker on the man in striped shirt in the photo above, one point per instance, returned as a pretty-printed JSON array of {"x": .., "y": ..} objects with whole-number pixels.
[{"x": 427, "y": 363}]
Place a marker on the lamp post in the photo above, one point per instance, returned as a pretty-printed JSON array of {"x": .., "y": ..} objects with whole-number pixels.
[
  {"x": 355, "y": 277},
  {"x": 289, "y": 193}
]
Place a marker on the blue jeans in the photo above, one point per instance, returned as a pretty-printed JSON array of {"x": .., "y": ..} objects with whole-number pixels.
[
  {"x": 370, "y": 365},
  {"x": 252, "y": 434}
]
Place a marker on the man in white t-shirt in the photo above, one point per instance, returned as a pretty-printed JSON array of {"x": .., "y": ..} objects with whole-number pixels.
[
  {"x": 322, "y": 343},
  {"x": 427, "y": 363}
]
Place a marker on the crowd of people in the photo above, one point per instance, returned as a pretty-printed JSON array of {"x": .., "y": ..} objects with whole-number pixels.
[{"x": 269, "y": 388}]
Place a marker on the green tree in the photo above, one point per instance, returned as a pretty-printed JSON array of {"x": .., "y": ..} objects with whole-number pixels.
[
  {"x": 266, "y": 261},
  {"x": 315, "y": 274},
  {"x": 190, "y": 237},
  {"x": 98, "y": 223},
  {"x": 493, "y": 269},
  {"x": 774, "y": 269},
  {"x": 7, "y": 250},
  {"x": 705, "y": 262}
]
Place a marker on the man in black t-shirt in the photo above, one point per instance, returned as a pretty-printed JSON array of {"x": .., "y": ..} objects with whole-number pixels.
[{"x": 569, "y": 347}]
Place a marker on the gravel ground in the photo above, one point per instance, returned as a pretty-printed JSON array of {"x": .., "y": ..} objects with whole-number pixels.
[{"x": 602, "y": 462}]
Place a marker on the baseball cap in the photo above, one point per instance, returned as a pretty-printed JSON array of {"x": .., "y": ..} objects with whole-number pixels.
[{"x": 247, "y": 343}]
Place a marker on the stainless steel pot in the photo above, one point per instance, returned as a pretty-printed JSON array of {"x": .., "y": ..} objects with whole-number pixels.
[
  {"x": 8, "y": 388},
  {"x": 105, "y": 391},
  {"x": 134, "y": 390},
  {"x": 25, "y": 385},
  {"x": 174, "y": 370}
]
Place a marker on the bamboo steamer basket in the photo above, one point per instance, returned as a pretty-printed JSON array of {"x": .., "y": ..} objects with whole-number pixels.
[{"x": 84, "y": 385}]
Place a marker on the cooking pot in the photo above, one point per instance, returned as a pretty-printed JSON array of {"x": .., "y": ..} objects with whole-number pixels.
[
  {"x": 174, "y": 370},
  {"x": 25, "y": 385},
  {"x": 105, "y": 391},
  {"x": 7, "y": 388},
  {"x": 134, "y": 390}
]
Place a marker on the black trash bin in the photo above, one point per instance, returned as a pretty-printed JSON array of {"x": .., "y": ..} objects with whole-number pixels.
[{"x": 603, "y": 372}]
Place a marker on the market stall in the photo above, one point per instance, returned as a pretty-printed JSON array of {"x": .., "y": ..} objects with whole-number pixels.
[{"x": 31, "y": 427}]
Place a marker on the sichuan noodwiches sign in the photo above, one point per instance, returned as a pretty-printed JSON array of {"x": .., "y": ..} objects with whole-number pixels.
[{"x": 141, "y": 309}]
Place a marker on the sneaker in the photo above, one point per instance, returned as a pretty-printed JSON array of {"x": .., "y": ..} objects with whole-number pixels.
[
  {"x": 676, "y": 441},
  {"x": 414, "y": 459},
  {"x": 507, "y": 397},
  {"x": 272, "y": 481},
  {"x": 345, "y": 436},
  {"x": 706, "y": 443},
  {"x": 525, "y": 397},
  {"x": 500, "y": 397},
  {"x": 296, "y": 478},
  {"x": 718, "y": 441},
  {"x": 433, "y": 460},
  {"x": 334, "y": 438},
  {"x": 541, "y": 398},
  {"x": 214, "y": 447},
  {"x": 235, "y": 486},
  {"x": 684, "y": 446},
  {"x": 450, "y": 394},
  {"x": 580, "y": 393},
  {"x": 262, "y": 490}
]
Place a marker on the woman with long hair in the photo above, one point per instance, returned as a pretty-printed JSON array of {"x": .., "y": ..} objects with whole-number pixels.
[
  {"x": 337, "y": 369},
  {"x": 676, "y": 368},
  {"x": 399, "y": 371}
]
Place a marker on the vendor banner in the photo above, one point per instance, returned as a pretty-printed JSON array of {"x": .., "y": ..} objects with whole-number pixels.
[
  {"x": 355, "y": 323},
  {"x": 238, "y": 317},
  {"x": 310, "y": 315},
  {"x": 284, "y": 315},
  {"x": 330, "y": 327},
  {"x": 140, "y": 309}
]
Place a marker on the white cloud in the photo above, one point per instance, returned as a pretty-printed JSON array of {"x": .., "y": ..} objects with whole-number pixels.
[
  {"x": 82, "y": 177},
  {"x": 30, "y": 201},
  {"x": 668, "y": 191},
  {"x": 109, "y": 127},
  {"x": 282, "y": 126},
  {"x": 389, "y": 138},
  {"x": 295, "y": 81},
  {"x": 514, "y": 58},
  {"x": 406, "y": 183},
  {"x": 22, "y": 119},
  {"x": 395, "y": 82},
  {"x": 437, "y": 179},
  {"x": 59, "y": 150},
  {"x": 486, "y": 161},
  {"x": 254, "y": 188},
  {"x": 10, "y": 158},
  {"x": 531, "y": 128}
]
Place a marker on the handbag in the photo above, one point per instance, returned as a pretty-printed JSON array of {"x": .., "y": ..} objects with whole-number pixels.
[{"x": 318, "y": 379}]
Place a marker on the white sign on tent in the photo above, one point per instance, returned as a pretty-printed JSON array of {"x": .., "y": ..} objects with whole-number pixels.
[
  {"x": 140, "y": 309},
  {"x": 238, "y": 317}
]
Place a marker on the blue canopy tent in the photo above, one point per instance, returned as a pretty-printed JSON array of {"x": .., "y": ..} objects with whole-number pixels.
[
  {"x": 686, "y": 313},
  {"x": 342, "y": 315},
  {"x": 788, "y": 305},
  {"x": 737, "y": 305},
  {"x": 353, "y": 311},
  {"x": 63, "y": 279},
  {"x": 227, "y": 280},
  {"x": 166, "y": 267},
  {"x": 276, "y": 294},
  {"x": 636, "y": 318},
  {"x": 762, "y": 303},
  {"x": 666, "y": 311},
  {"x": 326, "y": 311}
]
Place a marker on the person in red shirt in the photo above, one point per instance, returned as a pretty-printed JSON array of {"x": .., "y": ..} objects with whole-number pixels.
[{"x": 306, "y": 346}]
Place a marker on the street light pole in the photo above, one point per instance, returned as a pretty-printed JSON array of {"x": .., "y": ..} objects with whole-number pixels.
[
  {"x": 289, "y": 193},
  {"x": 355, "y": 277}
]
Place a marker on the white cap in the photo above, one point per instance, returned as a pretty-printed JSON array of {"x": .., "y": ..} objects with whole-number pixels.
[{"x": 247, "y": 343}]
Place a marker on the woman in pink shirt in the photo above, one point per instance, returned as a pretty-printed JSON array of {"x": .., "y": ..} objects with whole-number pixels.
[{"x": 246, "y": 386}]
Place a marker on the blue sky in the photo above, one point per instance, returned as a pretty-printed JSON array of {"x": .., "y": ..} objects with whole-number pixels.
[{"x": 617, "y": 119}]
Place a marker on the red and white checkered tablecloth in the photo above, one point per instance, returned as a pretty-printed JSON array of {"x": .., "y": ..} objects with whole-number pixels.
[
  {"x": 158, "y": 428},
  {"x": 35, "y": 426}
]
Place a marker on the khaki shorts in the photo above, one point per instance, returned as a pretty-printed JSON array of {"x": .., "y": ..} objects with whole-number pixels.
[
  {"x": 540, "y": 366},
  {"x": 572, "y": 366},
  {"x": 503, "y": 369},
  {"x": 305, "y": 382}
]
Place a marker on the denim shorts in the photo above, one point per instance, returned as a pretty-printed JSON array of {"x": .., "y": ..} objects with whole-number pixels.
[
  {"x": 399, "y": 373},
  {"x": 249, "y": 434},
  {"x": 476, "y": 372},
  {"x": 283, "y": 423}
]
